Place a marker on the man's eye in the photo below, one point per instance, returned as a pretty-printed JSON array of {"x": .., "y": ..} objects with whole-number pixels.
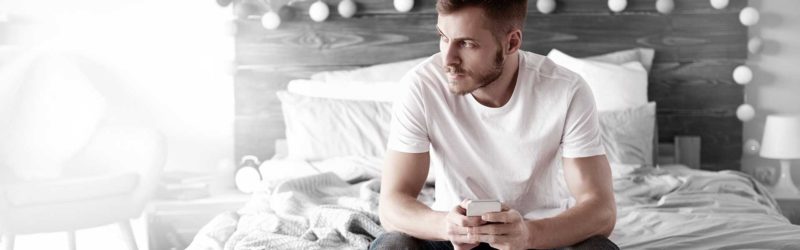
[{"x": 467, "y": 45}]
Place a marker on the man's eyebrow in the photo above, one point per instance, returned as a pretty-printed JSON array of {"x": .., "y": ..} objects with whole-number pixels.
[
  {"x": 456, "y": 39},
  {"x": 440, "y": 32}
]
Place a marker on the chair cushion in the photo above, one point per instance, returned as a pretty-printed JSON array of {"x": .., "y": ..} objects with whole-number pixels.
[{"x": 71, "y": 189}]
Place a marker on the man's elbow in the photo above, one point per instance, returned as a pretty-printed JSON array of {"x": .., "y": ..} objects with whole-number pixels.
[
  {"x": 608, "y": 220},
  {"x": 386, "y": 219}
]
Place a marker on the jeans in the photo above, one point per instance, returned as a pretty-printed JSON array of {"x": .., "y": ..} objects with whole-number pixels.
[{"x": 397, "y": 240}]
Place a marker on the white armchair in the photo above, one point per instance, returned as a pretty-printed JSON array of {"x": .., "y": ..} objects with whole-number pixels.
[{"x": 108, "y": 181}]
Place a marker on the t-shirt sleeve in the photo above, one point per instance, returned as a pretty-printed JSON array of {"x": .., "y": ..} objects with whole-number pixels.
[
  {"x": 409, "y": 132},
  {"x": 581, "y": 137}
]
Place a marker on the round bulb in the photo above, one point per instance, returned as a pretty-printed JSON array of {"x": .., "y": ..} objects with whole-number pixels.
[
  {"x": 665, "y": 6},
  {"x": 745, "y": 112},
  {"x": 347, "y": 8},
  {"x": 270, "y": 20},
  {"x": 546, "y": 6},
  {"x": 224, "y": 3},
  {"x": 319, "y": 11},
  {"x": 742, "y": 74},
  {"x": 752, "y": 146},
  {"x": 719, "y": 4},
  {"x": 749, "y": 16},
  {"x": 617, "y": 5},
  {"x": 403, "y": 5},
  {"x": 755, "y": 44}
]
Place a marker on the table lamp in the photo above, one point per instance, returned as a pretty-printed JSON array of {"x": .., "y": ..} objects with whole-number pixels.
[{"x": 782, "y": 141}]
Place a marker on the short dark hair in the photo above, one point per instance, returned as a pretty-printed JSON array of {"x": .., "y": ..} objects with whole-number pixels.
[{"x": 506, "y": 14}]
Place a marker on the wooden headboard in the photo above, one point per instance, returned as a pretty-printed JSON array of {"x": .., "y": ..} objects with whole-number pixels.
[{"x": 697, "y": 48}]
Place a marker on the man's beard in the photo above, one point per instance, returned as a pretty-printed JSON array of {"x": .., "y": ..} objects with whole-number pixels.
[{"x": 484, "y": 78}]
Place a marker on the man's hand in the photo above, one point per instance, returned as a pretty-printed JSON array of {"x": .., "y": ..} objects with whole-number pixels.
[
  {"x": 459, "y": 226},
  {"x": 507, "y": 230}
]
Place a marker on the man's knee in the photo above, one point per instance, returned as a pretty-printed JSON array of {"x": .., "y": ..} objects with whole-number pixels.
[
  {"x": 595, "y": 242},
  {"x": 395, "y": 240}
]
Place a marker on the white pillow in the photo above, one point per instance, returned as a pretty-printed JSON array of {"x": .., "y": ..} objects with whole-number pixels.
[
  {"x": 321, "y": 128},
  {"x": 615, "y": 87},
  {"x": 387, "y": 72},
  {"x": 352, "y": 90}
]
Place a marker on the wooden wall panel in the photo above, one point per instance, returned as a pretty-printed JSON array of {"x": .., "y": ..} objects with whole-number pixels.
[
  {"x": 298, "y": 12},
  {"x": 697, "y": 48}
]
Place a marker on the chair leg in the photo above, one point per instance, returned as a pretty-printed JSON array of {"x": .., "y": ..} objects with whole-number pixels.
[
  {"x": 127, "y": 234},
  {"x": 71, "y": 240},
  {"x": 8, "y": 241}
]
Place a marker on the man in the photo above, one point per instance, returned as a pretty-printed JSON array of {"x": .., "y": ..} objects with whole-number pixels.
[{"x": 495, "y": 123}]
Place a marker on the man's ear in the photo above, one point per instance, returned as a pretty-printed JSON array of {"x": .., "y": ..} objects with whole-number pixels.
[{"x": 514, "y": 39}]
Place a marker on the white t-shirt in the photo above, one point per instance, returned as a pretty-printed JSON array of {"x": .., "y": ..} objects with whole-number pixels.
[{"x": 511, "y": 153}]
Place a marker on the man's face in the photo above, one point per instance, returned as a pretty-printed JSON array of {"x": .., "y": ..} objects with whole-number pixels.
[{"x": 472, "y": 56}]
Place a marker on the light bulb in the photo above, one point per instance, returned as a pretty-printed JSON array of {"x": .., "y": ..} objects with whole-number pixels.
[
  {"x": 749, "y": 16},
  {"x": 617, "y": 5},
  {"x": 742, "y": 74},
  {"x": 270, "y": 20},
  {"x": 347, "y": 8},
  {"x": 665, "y": 6},
  {"x": 224, "y": 3},
  {"x": 403, "y": 5},
  {"x": 319, "y": 11},
  {"x": 755, "y": 44},
  {"x": 546, "y": 6},
  {"x": 752, "y": 147},
  {"x": 745, "y": 112},
  {"x": 719, "y": 4}
]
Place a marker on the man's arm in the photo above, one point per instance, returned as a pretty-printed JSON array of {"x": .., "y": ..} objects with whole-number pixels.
[
  {"x": 595, "y": 212},
  {"x": 403, "y": 177}
]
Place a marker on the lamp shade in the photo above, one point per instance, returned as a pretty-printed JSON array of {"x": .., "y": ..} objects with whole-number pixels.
[{"x": 781, "y": 137}]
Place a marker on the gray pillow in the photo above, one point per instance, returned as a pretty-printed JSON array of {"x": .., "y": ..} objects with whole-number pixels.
[{"x": 627, "y": 135}]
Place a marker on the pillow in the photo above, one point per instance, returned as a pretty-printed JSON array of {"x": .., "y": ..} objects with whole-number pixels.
[
  {"x": 387, "y": 72},
  {"x": 615, "y": 87},
  {"x": 641, "y": 55},
  {"x": 321, "y": 128},
  {"x": 627, "y": 135},
  {"x": 351, "y": 90}
]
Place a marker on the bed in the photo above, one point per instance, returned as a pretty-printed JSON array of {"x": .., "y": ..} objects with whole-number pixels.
[
  {"x": 302, "y": 82},
  {"x": 332, "y": 204}
]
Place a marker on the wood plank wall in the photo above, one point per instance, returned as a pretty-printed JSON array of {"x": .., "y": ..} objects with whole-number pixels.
[{"x": 697, "y": 48}]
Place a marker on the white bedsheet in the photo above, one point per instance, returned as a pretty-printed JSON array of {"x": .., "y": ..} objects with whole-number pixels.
[{"x": 679, "y": 208}]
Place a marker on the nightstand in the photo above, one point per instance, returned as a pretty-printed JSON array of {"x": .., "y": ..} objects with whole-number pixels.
[
  {"x": 172, "y": 224},
  {"x": 790, "y": 208}
]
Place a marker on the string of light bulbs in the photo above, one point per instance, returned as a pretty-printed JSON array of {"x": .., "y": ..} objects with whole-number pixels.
[{"x": 319, "y": 11}]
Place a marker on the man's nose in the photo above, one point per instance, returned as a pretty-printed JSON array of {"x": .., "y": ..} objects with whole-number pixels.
[{"x": 451, "y": 56}]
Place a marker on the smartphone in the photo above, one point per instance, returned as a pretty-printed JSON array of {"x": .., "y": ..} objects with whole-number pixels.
[{"x": 480, "y": 207}]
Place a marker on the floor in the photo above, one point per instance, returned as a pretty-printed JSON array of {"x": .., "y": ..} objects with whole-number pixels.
[{"x": 99, "y": 238}]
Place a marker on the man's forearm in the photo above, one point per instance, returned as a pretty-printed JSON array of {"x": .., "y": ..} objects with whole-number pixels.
[
  {"x": 407, "y": 215},
  {"x": 586, "y": 219}
]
